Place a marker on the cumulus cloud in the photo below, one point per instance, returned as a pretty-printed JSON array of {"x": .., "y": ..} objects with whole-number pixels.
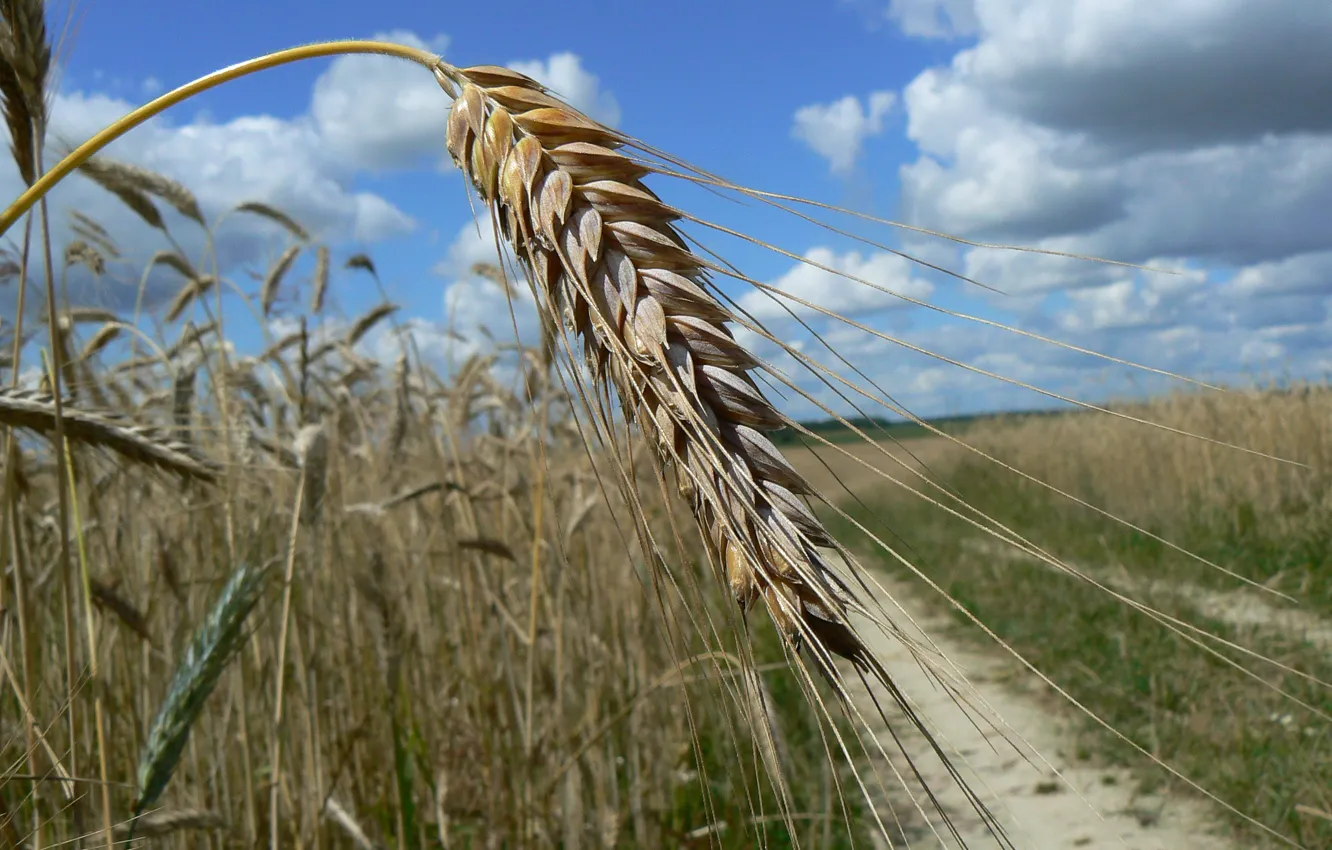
[
  {"x": 837, "y": 131},
  {"x": 833, "y": 292},
  {"x": 1088, "y": 118},
  {"x": 378, "y": 112},
  {"x": 1195, "y": 136},
  {"x": 1157, "y": 73},
  {"x": 476, "y": 306},
  {"x": 934, "y": 18},
  {"x": 564, "y": 74}
]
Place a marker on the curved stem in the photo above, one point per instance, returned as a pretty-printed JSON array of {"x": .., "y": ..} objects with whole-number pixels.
[{"x": 83, "y": 152}]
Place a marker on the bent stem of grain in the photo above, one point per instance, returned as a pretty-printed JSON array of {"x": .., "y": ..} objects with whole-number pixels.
[
  {"x": 98, "y": 715},
  {"x": 85, "y": 151},
  {"x": 275, "y": 790}
]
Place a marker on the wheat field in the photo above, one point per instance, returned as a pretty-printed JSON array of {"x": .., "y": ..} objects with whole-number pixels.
[{"x": 572, "y": 594}]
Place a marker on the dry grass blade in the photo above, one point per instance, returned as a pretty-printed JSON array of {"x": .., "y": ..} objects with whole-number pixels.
[
  {"x": 275, "y": 215},
  {"x": 35, "y": 411},
  {"x": 106, "y": 598},
  {"x": 490, "y": 547},
  {"x": 275, "y": 350},
  {"x": 335, "y": 812}
]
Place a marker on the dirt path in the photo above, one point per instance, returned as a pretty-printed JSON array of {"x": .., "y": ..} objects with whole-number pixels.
[
  {"x": 1034, "y": 804},
  {"x": 1042, "y": 795}
]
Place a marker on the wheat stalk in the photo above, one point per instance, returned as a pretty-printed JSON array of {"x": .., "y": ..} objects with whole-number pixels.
[
  {"x": 82, "y": 253},
  {"x": 93, "y": 232},
  {"x": 112, "y": 177},
  {"x": 36, "y": 411},
  {"x": 602, "y": 252},
  {"x": 105, "y": 335}
]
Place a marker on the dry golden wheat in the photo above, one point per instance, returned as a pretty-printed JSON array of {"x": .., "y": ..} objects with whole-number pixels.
[
  {"x": 276, "y": 215},
  {"x": 273, "y": 280},
  {"x": 25, "y": 52},
  {"x": 609, "y": 267},
  {"x": 35, "y": 411},
  {"x": 603, "y": 254}
]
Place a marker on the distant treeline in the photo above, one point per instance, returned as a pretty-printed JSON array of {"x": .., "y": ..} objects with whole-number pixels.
[{"x": 838, "y": 431}]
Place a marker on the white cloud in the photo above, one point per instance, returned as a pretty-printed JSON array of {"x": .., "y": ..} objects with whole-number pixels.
[
  {"x": 837, "y": 131},
  {"x": 1088, "y": 119},
  {"x": 378, "y": 112},
  {"x": 564, "y": 74},
  {"x": 934, "y": 18},
  {"x": 476, "y": 306},
  {"x": 1145, "y": 131},
  {"x": 280, "y": 161},
  {"x": 835, "y": 293}
]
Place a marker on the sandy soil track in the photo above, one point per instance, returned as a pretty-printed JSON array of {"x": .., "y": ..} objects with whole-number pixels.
[{"x": 1038, "y": 790}]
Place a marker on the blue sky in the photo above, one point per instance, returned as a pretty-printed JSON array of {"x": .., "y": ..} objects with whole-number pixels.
[{"x": 1189, "y": 134}]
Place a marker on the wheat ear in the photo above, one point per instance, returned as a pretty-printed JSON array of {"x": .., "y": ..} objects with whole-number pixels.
[
  {"x": 36, "y": 411},
  {"x": 215, "y": 643},
  {"x": 602, "y": 251}
]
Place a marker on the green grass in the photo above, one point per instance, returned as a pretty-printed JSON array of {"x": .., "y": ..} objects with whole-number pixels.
[
  {"x": 745, "y": 801},
  {"x": 836, "y": 431},
  {"x": 1251, "y": 747}
]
